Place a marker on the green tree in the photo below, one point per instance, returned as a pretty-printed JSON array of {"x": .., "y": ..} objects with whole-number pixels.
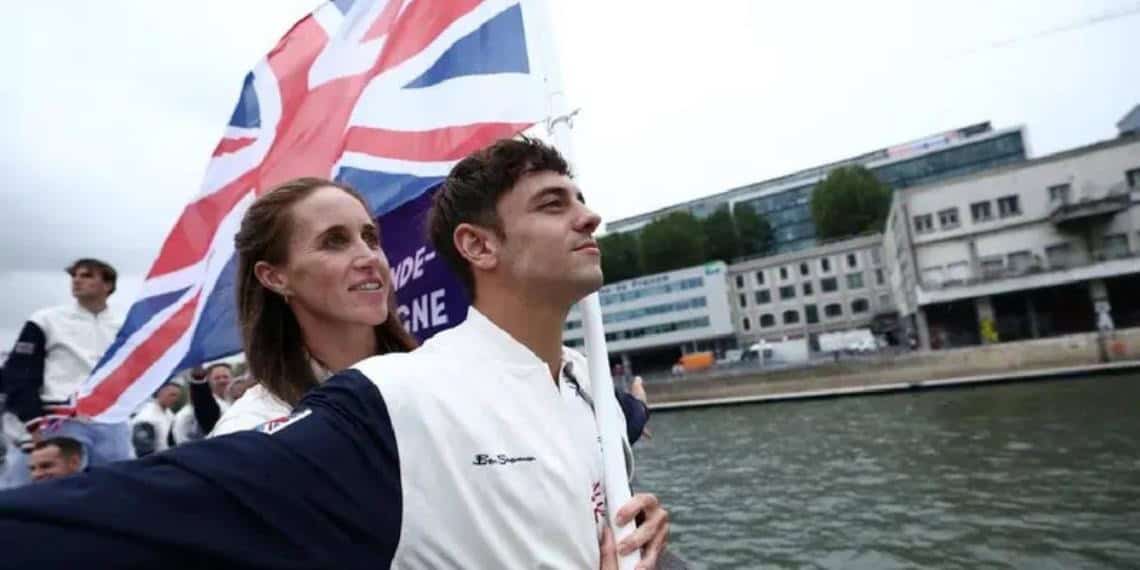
[
  {"x": 752, "y": 230},
  {"x": 721, "y": 241},
  {"x": 621, "y": 256},
  {"x": 849, "y": 201},
  {"x": 672, "y": 241}
]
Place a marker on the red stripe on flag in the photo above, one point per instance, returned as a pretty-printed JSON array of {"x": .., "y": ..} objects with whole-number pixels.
[
  {"x": 417, "y": 27},
  {"x": 143, "y": 357},
  {"x": 194, "y": 231},
  {"x": 438, "y": 145},
  {"x": 227, "y": 146}
]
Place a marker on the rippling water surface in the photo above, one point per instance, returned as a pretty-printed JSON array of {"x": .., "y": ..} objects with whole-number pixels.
[{"x": 1031, "y": 475}]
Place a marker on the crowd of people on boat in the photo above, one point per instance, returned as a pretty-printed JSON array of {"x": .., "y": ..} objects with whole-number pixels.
[{"x": 347, "y": 443}]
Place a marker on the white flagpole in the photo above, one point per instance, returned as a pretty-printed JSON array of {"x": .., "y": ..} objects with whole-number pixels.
[{"x": 606, "y": 412}]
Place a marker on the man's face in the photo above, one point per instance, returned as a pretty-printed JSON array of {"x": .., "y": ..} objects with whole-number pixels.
[
  {"x": 50, "y": 463},
  {"x": 547, "y": 244},
  {"x": 168, "y": 396},
  {"x": 220, "y": 378},
  {"x": 87, "y": 284}
]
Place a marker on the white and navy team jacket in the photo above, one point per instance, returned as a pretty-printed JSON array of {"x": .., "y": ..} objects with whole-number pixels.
[
  {"x": 462, "y": 454},
  {"x": 56, "y": 350}
]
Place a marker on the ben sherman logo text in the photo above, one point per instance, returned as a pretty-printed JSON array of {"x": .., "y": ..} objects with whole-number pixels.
[{"x": 500, "y": 459}]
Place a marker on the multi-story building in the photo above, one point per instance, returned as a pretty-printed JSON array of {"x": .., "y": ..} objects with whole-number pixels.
[
  {"x": 785, "y": 201},
  {"x": 651, "y": 321},
  {"x": 835, "y": 286},
  {"x": 1043, "y": 247}
]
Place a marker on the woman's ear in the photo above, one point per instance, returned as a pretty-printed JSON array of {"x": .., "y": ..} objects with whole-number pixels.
[{"x": 272, "y": 278}]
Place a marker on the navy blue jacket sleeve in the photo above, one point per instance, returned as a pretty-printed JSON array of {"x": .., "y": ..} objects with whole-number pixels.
[
  {"x": 320, "y": 490},
  {"x": 636, "y": 414},
  {"x": 206, "y": 410},
  {"x": 24, "y": 373}
]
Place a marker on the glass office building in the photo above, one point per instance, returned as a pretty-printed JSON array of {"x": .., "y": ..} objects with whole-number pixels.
[{"x": 786, "y": 201}]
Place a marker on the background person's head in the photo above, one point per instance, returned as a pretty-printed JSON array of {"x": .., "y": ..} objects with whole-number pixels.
[
  {"x": 219, "y": 375},
  {"x": 309, "y": 258},
  {"x": 54, "y": 458},
  {"x": 510, "y": 217},
  {"x": 92, "y": 281},
  {"x": 168, "y": 395}
]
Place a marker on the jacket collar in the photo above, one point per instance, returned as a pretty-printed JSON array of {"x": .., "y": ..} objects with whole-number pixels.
[{"x": 491, "y": 341}]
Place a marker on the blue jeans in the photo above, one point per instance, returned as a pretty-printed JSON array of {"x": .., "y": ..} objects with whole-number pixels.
[{"x": 102, "y": 444}]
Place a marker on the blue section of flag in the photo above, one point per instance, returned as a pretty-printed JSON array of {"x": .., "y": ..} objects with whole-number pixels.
[
  {"x": 247, "y": 113},
  {"x": 343, "y": 5},
  {"x": 498, "y": 46},
  {"x": 217, "y": 333},
  {"x": 385, "y": 191},
  {"x": 141, "y": 312}
]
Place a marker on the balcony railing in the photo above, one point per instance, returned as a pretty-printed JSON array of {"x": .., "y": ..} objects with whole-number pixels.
[
  {"x": 992, "y": 275},
  {"x": 1087, "y": 209}
]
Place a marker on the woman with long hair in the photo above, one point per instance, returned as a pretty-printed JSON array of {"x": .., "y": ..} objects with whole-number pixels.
[{"x": 314, "y": 295}]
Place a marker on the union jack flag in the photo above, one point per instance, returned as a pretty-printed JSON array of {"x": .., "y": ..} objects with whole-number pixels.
[{"x": 386, "y": 96}]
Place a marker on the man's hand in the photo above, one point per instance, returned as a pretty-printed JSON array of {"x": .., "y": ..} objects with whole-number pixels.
[{"x": 652, "y": 533}]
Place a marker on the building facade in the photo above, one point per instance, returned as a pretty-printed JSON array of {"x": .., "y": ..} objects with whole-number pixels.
[
  {"x": 651, "y": 321},
  {"x": 832, "y": 287},
  {"x": 1039, "y": 248},
  {"x": 785, "y": 201}
]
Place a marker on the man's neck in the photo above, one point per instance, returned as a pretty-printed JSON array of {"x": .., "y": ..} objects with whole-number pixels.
[
  {"x": 93, "y": 306},
  {"x": 339, "y": 347},
  {"x": 535, "y": 324}
]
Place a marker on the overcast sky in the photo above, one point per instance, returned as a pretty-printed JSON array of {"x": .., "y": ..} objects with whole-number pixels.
[{"x": 110, "y": 109}]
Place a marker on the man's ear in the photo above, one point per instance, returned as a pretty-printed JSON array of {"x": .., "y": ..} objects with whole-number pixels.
[
  {"x": 272, "y": 278},
  {"x": 478, "y": 245}
]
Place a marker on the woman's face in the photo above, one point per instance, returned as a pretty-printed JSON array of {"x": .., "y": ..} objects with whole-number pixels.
[{"x": 336, "y": 273}]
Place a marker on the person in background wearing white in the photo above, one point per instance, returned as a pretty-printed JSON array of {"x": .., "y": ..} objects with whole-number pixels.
[
  {"x": 209, "y": 399},
  {"x": 151, "y": 424},
  {"x": 57, "y": 349}
]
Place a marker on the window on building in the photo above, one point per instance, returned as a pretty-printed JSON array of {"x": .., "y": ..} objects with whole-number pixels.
[
  {"x": 852, "y": 260},
  {"x": 993, "y": 266},
  {"x": 885, "y": 301},
  {"x": 739, "y": 281},
  {"x": 957, "y": 272},
  {"x": 1115, "y": 246},
  {"x": 759, "y": 277},
  {"x": 788, "y": 292},
  {"x": 791, "y": 317},
  {"x": 832, "y": 310},
  {"x": 1020, "y": 261},
  {"x": 876, "y": 256},
  {"x": 1059, "y": 255},
  {"x": 811, "y": 314},
  {"x": 879, "y": 277},
  {"x": 1009, "y": 206},
  {"x": 924, "y": 223},
  {"x": 1059, "y": 194},
  {"x": 860, "y": 306},
  {"x": 855, "y": 281},
  {"x": 743, "y": 300},
  {"x": 804, "y": 271},
  {"x": 808, "y": 289},
  {"x": 767, "y": 320},
  {"x": 1133, "y": 178},
  {"x": 948, "y": 218},
  {"x": 829, "y": 285},
  {"x": 981, "y": 211},
  {"x": 784, "y": 273},
  {"x": 825, "y": 265},
  {"x": 763, "y": 297},
  {"x": 746, "y": 324}
]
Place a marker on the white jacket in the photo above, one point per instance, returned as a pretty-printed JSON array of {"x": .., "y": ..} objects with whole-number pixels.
[
  {"x": 490, "y": 446},
  {"x": 76, "y": 340}
]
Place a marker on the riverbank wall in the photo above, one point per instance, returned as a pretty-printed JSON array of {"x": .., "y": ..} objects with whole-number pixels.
[{"x": 1002, "y": 362}]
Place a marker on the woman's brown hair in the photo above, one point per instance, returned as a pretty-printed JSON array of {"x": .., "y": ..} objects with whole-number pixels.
[{"x": 271, "y": 336}]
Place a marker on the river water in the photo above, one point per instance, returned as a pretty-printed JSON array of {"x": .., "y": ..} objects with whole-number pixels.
[{"x": 1034, "y": 475}]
